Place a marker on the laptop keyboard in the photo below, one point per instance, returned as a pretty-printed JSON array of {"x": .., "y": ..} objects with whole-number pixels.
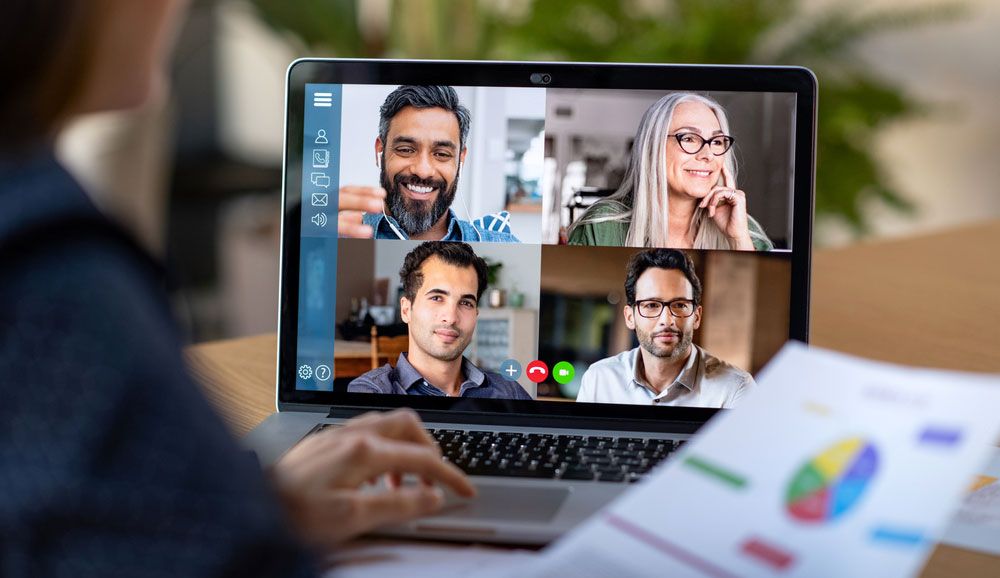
[
  {"x": 552, "y": 456},
  {"x": 565, "y": 457}
]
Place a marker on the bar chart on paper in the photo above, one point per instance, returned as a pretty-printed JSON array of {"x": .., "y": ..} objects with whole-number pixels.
[{"x": 808, "y": 478}]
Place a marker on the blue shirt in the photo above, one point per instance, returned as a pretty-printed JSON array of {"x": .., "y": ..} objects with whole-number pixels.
[
  {"x": 493, "y": 228},
  {"x": 404, "y": 379}
]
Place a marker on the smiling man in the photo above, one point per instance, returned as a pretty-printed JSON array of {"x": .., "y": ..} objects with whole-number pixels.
[
  {"x": 442, "y": 284},
  {"x": 420, "y": 150},
  {"x": 663, "y": 307}
]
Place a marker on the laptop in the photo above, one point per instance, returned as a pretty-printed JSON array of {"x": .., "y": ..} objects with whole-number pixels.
[{"x": 519, "y": 288}]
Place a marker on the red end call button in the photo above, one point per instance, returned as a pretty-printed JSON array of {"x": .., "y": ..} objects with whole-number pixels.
[{"x": 537, "y": 371}]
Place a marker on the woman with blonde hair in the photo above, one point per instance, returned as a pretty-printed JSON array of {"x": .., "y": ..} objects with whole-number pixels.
[{"x": 679, "y": 189}]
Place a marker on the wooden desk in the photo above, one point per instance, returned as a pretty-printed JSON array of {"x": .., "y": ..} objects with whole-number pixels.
[{"x": 930, "y": 301}]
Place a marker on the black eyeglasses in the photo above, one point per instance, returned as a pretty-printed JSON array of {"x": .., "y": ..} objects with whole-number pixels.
[
  {"x": 692, "y": 143},
  {"x": 652, "y": 308}
]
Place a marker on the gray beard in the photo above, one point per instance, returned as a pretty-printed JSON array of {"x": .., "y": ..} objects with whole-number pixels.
[{"x": 414, "y": 217}]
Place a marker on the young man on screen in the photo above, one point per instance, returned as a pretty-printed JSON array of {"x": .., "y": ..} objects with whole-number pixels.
[{"x": 442, "y": 285}]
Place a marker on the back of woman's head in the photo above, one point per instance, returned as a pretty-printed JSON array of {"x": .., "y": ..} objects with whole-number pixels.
[{"x": 48, "y": 48}]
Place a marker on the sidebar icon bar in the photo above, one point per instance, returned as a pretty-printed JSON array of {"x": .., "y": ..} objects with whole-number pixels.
[{"x": 320, "y": 158}]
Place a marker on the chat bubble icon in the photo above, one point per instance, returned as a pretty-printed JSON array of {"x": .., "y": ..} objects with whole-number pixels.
[{"x": 321, "y": 180}]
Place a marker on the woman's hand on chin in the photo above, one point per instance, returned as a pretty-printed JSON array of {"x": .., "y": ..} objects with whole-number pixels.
[{"x": 727, "y": 207}]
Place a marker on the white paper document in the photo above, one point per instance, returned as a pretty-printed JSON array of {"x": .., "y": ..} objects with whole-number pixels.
[
  {"x": 833, "y": 466},
  {"x": 976, "y": 525}
]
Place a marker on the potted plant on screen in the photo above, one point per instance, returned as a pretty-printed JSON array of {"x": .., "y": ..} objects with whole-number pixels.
[{"x": 495, "y": 295}]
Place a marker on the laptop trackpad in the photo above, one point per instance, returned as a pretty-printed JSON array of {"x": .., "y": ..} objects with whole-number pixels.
[{"x": 500, "y": 502}]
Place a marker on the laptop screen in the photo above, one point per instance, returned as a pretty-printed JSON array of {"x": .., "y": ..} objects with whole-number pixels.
[{"x": 543, "y": 244}]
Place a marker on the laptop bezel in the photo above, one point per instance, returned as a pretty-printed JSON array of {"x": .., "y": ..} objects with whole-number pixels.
[{"x": 796, "y": 80}]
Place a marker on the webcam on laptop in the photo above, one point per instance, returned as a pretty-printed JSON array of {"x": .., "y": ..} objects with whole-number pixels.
[{"x": 540, "y": 78}]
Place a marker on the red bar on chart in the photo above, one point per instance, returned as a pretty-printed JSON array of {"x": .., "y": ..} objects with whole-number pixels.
[{"x": 768, "y": 554}]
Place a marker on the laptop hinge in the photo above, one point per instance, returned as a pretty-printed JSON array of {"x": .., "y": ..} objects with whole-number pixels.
[{"x": 519, "y": 420}]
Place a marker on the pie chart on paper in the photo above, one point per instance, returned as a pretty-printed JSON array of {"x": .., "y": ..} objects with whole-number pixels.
[{"x": 831, "y": 483}]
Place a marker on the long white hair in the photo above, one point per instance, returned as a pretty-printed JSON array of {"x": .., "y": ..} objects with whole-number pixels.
[{"x": 642, "y": 199}]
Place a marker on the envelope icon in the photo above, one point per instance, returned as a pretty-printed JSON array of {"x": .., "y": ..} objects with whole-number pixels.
[{"x": 320, "y": 199}]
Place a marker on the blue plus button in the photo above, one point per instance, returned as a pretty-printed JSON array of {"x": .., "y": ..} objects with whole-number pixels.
[{"x": 510, "y": 369}]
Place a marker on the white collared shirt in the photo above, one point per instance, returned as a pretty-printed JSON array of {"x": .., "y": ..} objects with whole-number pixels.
[{"x": 705, "y": 381}]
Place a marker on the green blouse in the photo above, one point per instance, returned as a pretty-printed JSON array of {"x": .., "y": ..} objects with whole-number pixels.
[{"x": 612, "y": 233}]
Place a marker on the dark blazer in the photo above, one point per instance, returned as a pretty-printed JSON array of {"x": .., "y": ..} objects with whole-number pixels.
[{"x": 111, "y": 461}]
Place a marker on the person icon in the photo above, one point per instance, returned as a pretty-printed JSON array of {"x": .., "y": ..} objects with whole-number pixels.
[{"x": 321, "y": 137}]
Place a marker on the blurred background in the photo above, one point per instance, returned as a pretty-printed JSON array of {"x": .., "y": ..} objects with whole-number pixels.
[{"x": 908, "y": 126}]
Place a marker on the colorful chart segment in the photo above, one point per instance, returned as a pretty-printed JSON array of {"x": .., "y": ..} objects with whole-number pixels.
[
  {"x": 981, "y": 482},
  {"x": 831, "y": 483}
]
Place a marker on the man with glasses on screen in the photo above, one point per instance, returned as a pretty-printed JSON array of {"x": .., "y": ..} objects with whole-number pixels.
[
  {"x": 663, "y": 307},
  {"x": 420, "y": 150}
]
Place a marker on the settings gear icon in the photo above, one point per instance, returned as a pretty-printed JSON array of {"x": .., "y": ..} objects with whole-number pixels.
[{"x": 305, "y": 372}]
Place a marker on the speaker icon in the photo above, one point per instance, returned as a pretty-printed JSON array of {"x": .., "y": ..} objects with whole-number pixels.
[{"x": 319, "y": 219}]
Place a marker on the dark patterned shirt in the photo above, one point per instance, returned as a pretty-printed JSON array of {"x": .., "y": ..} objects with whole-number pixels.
[
  {"x": 111, "y": 461},
  {"x": 404, "y": 379}
]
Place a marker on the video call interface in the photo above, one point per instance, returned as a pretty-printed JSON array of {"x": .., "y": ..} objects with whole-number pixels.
[{"x": 576, "y": 245}]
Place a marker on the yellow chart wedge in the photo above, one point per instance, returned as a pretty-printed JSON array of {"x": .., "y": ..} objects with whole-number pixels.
[{"x": 834, "y": 461}]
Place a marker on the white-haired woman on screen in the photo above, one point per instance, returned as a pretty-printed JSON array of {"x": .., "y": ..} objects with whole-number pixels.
[{"x": 679, "y": 189}]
